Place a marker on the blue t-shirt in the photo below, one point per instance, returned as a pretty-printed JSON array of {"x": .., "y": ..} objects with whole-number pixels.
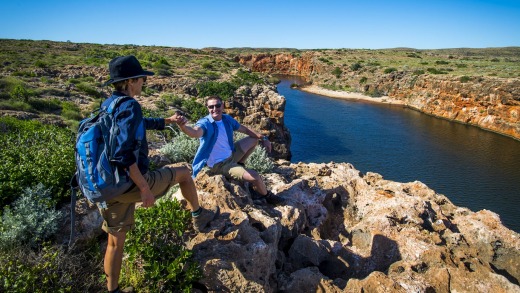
[{"x": 209, "y": 138}]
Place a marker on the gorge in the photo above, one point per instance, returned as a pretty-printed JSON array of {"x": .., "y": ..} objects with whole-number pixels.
[{"x": 487, "y": 102}]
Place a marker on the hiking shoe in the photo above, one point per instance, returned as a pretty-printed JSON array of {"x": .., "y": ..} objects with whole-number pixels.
[
  {"x": 274, "y": 199},
  {"x": 254, "y": 194},
  {"x": 204, "y": 218}
]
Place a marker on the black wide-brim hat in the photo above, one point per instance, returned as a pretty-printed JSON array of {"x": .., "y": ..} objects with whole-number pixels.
[{"x": 125, "y": 67}]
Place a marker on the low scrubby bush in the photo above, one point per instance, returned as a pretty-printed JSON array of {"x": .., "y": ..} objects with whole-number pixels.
[
  {"x": 158, "y": 260},
  {"x": 31, "y": 219},
  {"x": 337, "y": 72},
  {"x": 20, "y": 93},
  {"x": 70, "y": 111},
  {"x": 182, "y": 149},
  {"x": 259, "y": 161},
  {"x": 89, "y": 89},
  {"x": 435, "y": 71},
  {"x": 45, "y": 105},
  {"x": 33, "y": 152},
  {"x": 464, "y": 78},
  {"x": 194, "y": 109},
  {"x": 355, "y": 66},
  {"x": 244, "y": 77},
  {"x": 51, "y": 268},
  {"x": 224, "y": 89}
]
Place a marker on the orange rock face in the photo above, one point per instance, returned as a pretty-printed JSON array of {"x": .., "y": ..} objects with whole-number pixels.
[{"x": 487, "y": 102}]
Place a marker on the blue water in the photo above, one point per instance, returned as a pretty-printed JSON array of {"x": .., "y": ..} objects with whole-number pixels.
[{"x": 474, "y": 168}]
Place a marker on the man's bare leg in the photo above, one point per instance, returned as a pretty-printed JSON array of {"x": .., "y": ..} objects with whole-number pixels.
[{"x": 114, "y": 258}]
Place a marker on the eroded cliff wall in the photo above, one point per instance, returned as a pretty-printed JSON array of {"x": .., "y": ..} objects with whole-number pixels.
[{"x": 491, "y": 103}]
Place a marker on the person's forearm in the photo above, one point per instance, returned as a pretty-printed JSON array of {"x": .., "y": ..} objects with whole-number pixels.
[
  {"x": 137, "y": 177},
  {"x": 190, "y": 131}
]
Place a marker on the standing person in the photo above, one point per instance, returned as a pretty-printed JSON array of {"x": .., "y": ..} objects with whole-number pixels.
[
  {"x": 218, "y": 151},
  {"x": 127, "y": 77}
]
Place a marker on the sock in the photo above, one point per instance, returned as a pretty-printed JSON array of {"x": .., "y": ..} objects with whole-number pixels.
[
  {"x": 116, "y": 290},
  {"x": 197, "y": 212}
]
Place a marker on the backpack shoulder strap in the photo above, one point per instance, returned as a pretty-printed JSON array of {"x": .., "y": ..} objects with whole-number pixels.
[
  {"x": 74, "y": 189},
  {"x": 115, "y": 103}
]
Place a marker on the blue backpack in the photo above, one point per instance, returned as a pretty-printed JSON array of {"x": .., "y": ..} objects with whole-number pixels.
[
  {"x": 99, "y": 179},
  {"x": 97, "y": 176}
]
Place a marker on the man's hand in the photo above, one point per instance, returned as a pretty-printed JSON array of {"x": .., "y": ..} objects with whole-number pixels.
[
  {"x": 182, "y": 121},
  {"x": 176, "y": 118},
  {"x": 147, "y": 198}
]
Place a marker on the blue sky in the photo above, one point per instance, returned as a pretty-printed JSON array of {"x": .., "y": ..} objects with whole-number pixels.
[{"x": 267, "y": 24}]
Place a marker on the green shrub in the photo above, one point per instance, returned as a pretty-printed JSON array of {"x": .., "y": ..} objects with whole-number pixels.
[
  {"x": 15, "y": 105},
  {"x": 390, "y": 69},
  {"x": 33, "y": 152},
  {"x": 24, "y": 73},
  {"x": 19, "y": 92},
  {"x": 51, "y": 269},
  {"x": 224, "y": 89},
  {"x": 40, "y": 63},
  {"x": 194, "y": 109},
  {"x": 19, "y": 273},
  {"x": 88, "y": 89},
  {"x": 158, "y": 260},
  {"x": 244, "y": 77},
  {"x": 435, "y": 71},
  {"x": 207, "y": 65},
  {"x": 355, "y": 66},
  {"x": 70, "y": 111},
  {"x": 464, "y": 79},
  {"x": 182, "y": 149},
  {"x": 363, "y": 80},
  {"x": 442, "y": 62},
  {"x": 259, "y": 161},
  {"x": 45, "y": 105},
  {"x": 31, "y": 220},
  {"x": 337, "y": 72},
  {"x": 161, "y": 61}
]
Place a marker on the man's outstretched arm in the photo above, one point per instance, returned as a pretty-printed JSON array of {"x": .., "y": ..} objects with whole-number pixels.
[{"x": 190, "y": 131}]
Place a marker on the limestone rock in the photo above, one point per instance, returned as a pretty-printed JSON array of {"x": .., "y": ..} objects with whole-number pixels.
[{"x": 343, "y": 231}]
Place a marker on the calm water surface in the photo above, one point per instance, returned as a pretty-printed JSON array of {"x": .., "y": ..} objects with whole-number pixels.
[{"x": 472, "y": 167}]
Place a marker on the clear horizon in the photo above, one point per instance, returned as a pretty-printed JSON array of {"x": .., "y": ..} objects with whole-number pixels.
[{"x": 268, "y": 24}]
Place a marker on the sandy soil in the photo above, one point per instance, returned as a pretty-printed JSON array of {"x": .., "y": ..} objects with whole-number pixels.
[{"x": 350, "y": 96}]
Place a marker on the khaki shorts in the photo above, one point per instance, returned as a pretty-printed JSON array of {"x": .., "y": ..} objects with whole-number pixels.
[
  {"x": 118, "y": 215},
  {"x": 229, "y": 166}
]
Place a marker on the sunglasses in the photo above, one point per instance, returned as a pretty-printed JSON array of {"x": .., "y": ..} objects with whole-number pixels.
[
  {"x": 144, "y": 78},
  {"x": 214, "y": 106}
]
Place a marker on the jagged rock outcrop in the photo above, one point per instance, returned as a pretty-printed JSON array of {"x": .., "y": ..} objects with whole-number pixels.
[
  {"x": 343, "y": 231},
  {"x": 261, "y": 107},
  {"x": 305, "y": 65},
  {"x": 487, "y": 102}
]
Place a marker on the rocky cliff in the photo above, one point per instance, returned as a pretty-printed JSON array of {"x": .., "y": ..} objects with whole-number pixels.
[
  {"x": 491, "y": 103},
  {"x": 344, "y": 231}
]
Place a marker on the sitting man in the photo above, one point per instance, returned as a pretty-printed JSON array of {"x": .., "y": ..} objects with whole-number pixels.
[{"x": 218, "y": 151}]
